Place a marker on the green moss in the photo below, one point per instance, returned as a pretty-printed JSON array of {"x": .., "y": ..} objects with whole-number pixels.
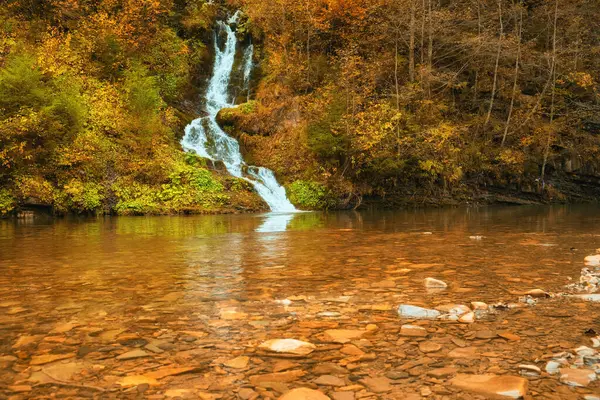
[{"x": 309, "y": 195}]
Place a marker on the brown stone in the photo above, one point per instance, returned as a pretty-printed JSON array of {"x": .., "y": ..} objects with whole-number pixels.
[
  {"x": 134, "y": 380},
  {"x": 442, "y": 372},
  {"x": 130, "y": 355},
  {"x": 48, "y": 358},
  {"x": 466, "y": 352},
  {"x": 343, "y": 335},
  {"x": 304, "y": 394},
  {"x": 577, "y": 377},
  {"x": 164, "y": 372},
  {"x": 492, "y": 386},
  {"x": 240, "y": 362},
  {"x": 509, "y": 336},
  {"x": 329, "y": 380},
  {"x": 377, "y": 385},
  {"x": 351, "y": 350},
  {"x": 413, "y": 331},
  {"x": 429, "y": 347},
  {"x": 288, "y": 376},
  {"x": 284, "y": 365}
]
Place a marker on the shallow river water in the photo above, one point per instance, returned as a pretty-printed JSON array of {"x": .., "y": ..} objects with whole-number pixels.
[{"x": 167, "y": 307}]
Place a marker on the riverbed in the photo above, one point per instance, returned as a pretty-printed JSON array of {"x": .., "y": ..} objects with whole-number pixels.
[{"x": 167, "y": 307}]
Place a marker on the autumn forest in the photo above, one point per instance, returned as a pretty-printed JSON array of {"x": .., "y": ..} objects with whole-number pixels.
[{"x": 350, "y": 103}]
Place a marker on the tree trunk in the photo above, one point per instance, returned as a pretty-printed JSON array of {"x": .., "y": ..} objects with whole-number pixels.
[
  {"x": 411, "y": 50},
  {"x": 550, "y": 131},
  {"x": 514, "y": 89},
  {"x": 489, "y": 113}
]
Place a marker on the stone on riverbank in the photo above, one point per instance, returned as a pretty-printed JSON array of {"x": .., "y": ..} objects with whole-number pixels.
[
  {"x": 433, "y": 283},
  {"x": 304, "y": 394},
  {"x": 413, "y": 331},
  {"x": 492, "y": 386},
  {"x": 290, "y": 346},
  {"x": 408, "y": 311},
  {"x": 577, "y": 377},
  {"x": 343, "y": 335}
]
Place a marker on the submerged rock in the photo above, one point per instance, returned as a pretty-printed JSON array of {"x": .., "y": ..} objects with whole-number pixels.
[
  {"x": 290, "y": 346},
  {"x": 435, "y": 283},
  {"x": 592, "y": 261},
  {"x": 343, "y": 335},
  {"x": 588, "y": 297},
  {"x": 304, "y": 394},
  {"x": 468, "y": 318},
  {"x": 413, "y": 331},
  {"x": 408, "y": 311},
  {"x": 577, "y": 377},
  {"x": 513, "y": 387},
  {"x": 478, "y": 305}
]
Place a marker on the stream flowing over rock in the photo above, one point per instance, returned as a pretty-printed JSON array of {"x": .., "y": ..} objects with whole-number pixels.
[{"x": 205, "y": 137}]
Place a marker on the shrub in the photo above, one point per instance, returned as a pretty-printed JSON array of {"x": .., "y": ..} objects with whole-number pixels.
[
  {"x": 309, "y": 194},
  {"x": 7, "y": 202},
  {"x": 81, "y": 196}
]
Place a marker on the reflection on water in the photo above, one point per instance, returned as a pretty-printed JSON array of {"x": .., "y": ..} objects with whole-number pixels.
[{"x": 276, "y": 222}]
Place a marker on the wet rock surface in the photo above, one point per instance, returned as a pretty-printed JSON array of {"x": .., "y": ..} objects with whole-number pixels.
[{"x": 159, "y": 327}]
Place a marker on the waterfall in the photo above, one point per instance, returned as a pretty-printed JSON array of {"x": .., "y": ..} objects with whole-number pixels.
[{"x": 204, "y": 136}]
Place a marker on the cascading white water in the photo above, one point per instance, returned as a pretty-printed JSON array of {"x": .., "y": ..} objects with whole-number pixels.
[{"x": 207, "y": 139}]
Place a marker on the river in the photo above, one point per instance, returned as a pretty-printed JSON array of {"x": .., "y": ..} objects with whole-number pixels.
[{"x": 199, "y": 291}]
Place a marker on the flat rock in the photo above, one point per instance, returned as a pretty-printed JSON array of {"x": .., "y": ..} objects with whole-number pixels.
[
  {"x": 492, "y": 386},
  {"x": 509, "y": 336},
  {"x": 304, "y": 394},
  {"x": 466, "y": 352},
  {"x": 134, "y": 380},
  {"x": 413, "y": 331},
  {"x": 343, "y": 395},
  {"x": 429, "y": 347},
  {"x": 63, "y": 372},
  {"x": 284, "y": 365},
  {"x": 130, "y": 355},
  {"x": 48, "y": 358},
  {"x": 290, "y": 346},
  {"x": 329, "y": 380},
  {"x": 442, "y": 372},
  {"x": 19, "y": 388},
  {"x": 240, "y": 362},
  {"x": 328, "y": 368},
  {"x": 377, "y": 385},
  {"x": 415, "y": 312},
  {"x": 344, "y": 335},
  {"x": 435, "y": 283},
  {"x": 164, "y": 372},
  {"x": 280, "y": 377},
  {"x": 577, "y": 377}
]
